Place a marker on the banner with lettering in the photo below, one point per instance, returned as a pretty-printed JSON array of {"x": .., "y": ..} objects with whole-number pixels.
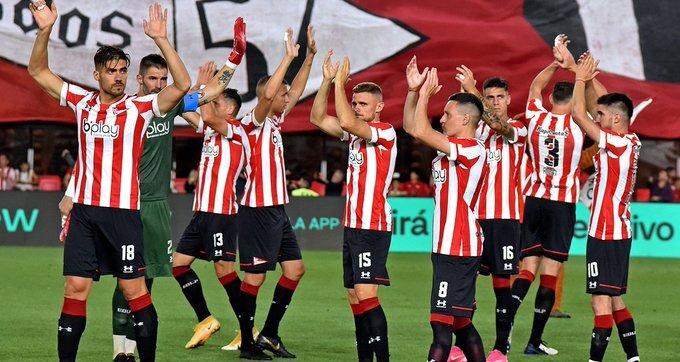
[{"x": 511, "y": 39}]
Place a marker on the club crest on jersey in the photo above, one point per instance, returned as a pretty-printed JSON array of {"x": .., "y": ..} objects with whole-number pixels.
[
  {"x": 439, "y": 176},
  {"x": 210, "y": 150},
  {"x": 100, "y": 130},
  {"x": 356, "y": 158},
  {"x": 493, "y": 155},
  {"x": 157, "y": 129}
]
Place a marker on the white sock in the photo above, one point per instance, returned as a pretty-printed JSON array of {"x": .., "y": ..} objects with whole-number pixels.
[
  {"x": 130, "y": 346},
  {"x": 118, "y": 345}
]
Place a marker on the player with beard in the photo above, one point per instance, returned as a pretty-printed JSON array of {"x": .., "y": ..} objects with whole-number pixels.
[
  {"x": 457, "y": 171},
  {"x": 368, "y": 217}
]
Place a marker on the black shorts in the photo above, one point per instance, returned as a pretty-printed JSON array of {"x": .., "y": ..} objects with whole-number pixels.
[
  {"x": 210, "y": 236},
  {"x": 364, "y": 257},
  {"x": 102, "y": 241},
  {"x": 548, "y": 228},
  {"x": 607, "y": 266},
  {"x": 453, "y": 285},
  {"x": 266, "y": 238},
  {"x": 501, "y": 247}
]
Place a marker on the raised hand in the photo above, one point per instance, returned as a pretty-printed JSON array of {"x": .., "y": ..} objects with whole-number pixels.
[
  {"x": 157, "y": 25},
  {"x": 431, "y": 85},
  {"x": 205, "y": 72},
  {"x": 342, "y": 76},
  {"x": 44, "y": 16},
  {"x": 587, "y": 68},
  {"x": 292, "y": 48},
  {"x": 466, "y": 79},
  {"x": 563, "y": 56},
  {"x": 311, "y": 42},
  {"x": 239, "y": 48},
  {"x": 560, "y": 39},
  {"x": 414, "y": 78},
  {"x": 329, "y": 69}
]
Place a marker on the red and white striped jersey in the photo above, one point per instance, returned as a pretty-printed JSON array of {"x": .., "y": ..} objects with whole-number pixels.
[
  {"x": 221, "y": 162},
  {"x": 265, "y": 166},
  {"x": 458, "y": 178},
  {"x": 500, "y": 195},
  {"x": 370, "y": 166},
  {"x": 110, "y": 144},
  {"x": 555, "y": 143},
  {"x": 616, "y": 168}
]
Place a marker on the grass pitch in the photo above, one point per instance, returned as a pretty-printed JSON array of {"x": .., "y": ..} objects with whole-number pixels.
[{"x": 318, "y": 325}]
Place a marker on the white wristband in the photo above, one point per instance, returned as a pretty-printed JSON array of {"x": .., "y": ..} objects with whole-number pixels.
[
  {"x": 230, "y": 64},
  {"x": 201, "y": 86}
]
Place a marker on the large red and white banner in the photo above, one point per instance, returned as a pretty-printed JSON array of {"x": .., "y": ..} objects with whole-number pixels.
[{"x": 511, "y": 39}]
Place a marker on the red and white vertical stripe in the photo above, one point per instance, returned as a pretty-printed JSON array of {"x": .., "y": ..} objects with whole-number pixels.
[
  {"x": 370, "y": 166},
  {"x": 265, "y": 166},
  {"x": 221, "y": 162},
  {"x": 555, "y": 143},
  {"x": 111, "y": 140},
  {"x": 616, "y": 168},
  {"x": 500, "y": 197},
  {"x": 458, "y": 178}
]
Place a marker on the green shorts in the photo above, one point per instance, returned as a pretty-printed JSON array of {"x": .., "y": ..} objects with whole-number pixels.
[{"x": 157, "y": 238}]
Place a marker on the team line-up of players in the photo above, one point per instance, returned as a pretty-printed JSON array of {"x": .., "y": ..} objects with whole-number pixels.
[{"x": 121, "y": 176}]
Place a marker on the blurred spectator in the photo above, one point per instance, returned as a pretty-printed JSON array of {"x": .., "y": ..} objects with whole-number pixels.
[
  {"x": 8, "y": 175},
  {"x": 302, "y": 188},
  {"x": 396, "y": 188},
  {"x": 335, "y": 185},
  {"x": 173, "y": 177},
  {"x": 415, "y": 187},
  {"x": 676, "y": 191},
  {"x": 27, "y": 179},
  {"x": 192, "y": 181},
  {"x": 661, "y": 189},
  {"x": 672, "y": 174}
]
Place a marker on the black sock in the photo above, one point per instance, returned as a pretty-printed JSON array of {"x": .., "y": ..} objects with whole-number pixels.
[
  {"x": 247, "y": 305},
  {"x": 626, "y": 328},
  {"x": 503, "y": 316},
  {"x": 471, "y": 340},
  {"x": 283, "y": 294},
  {"x": 545, "y": 299},
  {"x": 70, "y": 328},
  {"x": 129, "y": 326},
  {"x": 145, "y": 322},
  {"x": 191, "y": 287},
  {"x": 520, "y": 288},
  {"x": 377, "y": 323},
  {"x": 232, "y": 285},
  {"x": 602, "y": 330},
  {"x": 362, "y": 333},
  {"x": 441, "y": 341}
]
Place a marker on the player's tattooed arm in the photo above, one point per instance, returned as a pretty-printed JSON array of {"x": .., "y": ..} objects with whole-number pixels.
[
  {"x": 319, "y": 115},
  {"x": 346, "y": 116},
  {"x": 421, "y": 128},
  {"x": 585, "y": 71},
  {"x": 38, "y": 65},
  {"x": 300, "y": 80},
  {"x": 468, "y": 84}
]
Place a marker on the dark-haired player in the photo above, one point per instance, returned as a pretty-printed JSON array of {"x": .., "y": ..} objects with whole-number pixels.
[
  {"x": 457, "y": 238},
  {"x": 105, "y": 234},
  {"x": 266, "y": 236},
  {"x": 368, "y": 216},
  {"x": 554, "y": 145},
  {"x": 154, "y": 175},
  {"x": 609, "y": 234},
  {"x": 499, "y": 202}
]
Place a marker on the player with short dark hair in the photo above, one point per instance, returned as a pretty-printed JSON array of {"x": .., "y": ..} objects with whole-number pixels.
[
  {"x": 609, "y": 234},
  {"x": 267, "y": 237},
  {"x": 457, "y": 238},
  {"x": 498, "y": 207},
  {"x": 554, "y": 144},
  {"x": 112, "y": 127},
  {"x": 368, "y": 216}
]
